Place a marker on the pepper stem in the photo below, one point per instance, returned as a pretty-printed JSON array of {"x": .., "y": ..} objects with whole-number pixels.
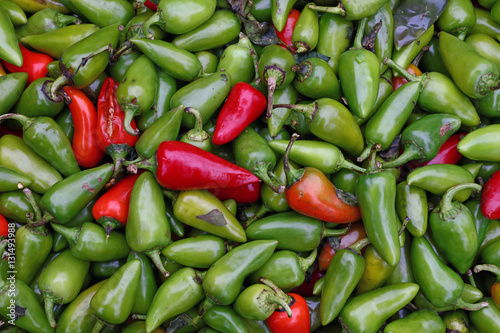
[
  {"x": 137, "y": 316},
  {"x": 207, "y": 304},
  {"x": 446, "y": 206},
  {"x": 402, "y": 71},
  {"x": 338, "y": 10},
  {"x": 155, "y": 19},
  {"x": 459, "y": 303},
  {"x": 356, "y": 247},
  {"x": 359, "y": 34},
  {"x": 327, "y": 232},
  {"x": 263, "y": 210},
  {"x": 345, "y": 164},
  {"x": 306, "y": 262},
  {"x": 372, "y": 158},
  {"x": 279, "y": 294},
  {"x": 54, "y": 87},
  {"x": 24, "y": 120},
  {"x": 271, "y": 87},
  {"x": 263, "y": 171},
  {"x": 366, "y": 152},
  {"x": 149, "y": 164},
  {"x": 282, "y": 303},
  {"x": 309, "y": 110},
  {"x": 154, "y": 255},
  {"x": 292, "y": 174},
  {"x": 71, "y": 234},
  {"x": 64, "y": 20},
  {"x": 197, "y": 133},
  {"x": 489, "y": 268},
  {"x": 99, "y": 325},
  {"x": 49, "y": 311},
  {"x": 488, "y": 83},
  {"x": 411, "y": 152},
  {"x": 31, "y": 199},
  {"x": 131, "y": 111}
]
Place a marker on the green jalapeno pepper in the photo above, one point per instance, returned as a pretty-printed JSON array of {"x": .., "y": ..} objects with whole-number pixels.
[
  {"x": 34, "y": 102},
  {"x": 14, "y": 12},
  {"x": 11, "y": 88},
  {"x": 113, "y": 301},
  {"x": 353, "y": 10},
  {"x": 147, "y": 229},
  {"x": 147, "y": 286},
  {"x": 223, "y": 318},
  {"x": 9, "y": 50},
  {"x": 105, "y": 14},
  {"x": 411, "y": 203},
  {"x": 179, "y": 293},
  {"x": 237, "y": 61},
  {"x": 61, "y": 281},
  {"x": 15, "y": 206},
  {"x": 257, "y": 302},
  {"x": 306, "y": 31},
  {"x": 487, "y": 319},
  {"x": 314, "y": 78},
  {"x": 424, "y": 320},
  {"x": 480, "y": 221},
  {"x": 455, "y": 221},
  {"x": 335, "y": 34},
  {"x": 104, "y": 269},
  {"x": 367, "y": 312},
  {"x": 484, "y": 23},
  {"x": 11, "y": 180},
  {"x": 481, "y": 144}
]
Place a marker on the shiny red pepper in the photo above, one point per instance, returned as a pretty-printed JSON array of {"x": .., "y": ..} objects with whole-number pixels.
[
  {"x": 87, "y": 152},
  {"x": 111, "y": 209},
  {"x": 248, "y": 193},
  {"x": 310, "y": 193},
  {"x": 285, "y": 35},
  {"x": 355, "y": 233},
  {"x": 300, "y": 321},
  {"x": 110, "y": 118},
  {"x": 447, "y": 154},
  {"x": 182, "y": 166},
  {"x": 398, "y": 81},
  {"x": 490, "y": 199},
  {"x": 35, "y": 64},
  {"x": 242, "y": 107},
  {"x": 4, "y": 227}
]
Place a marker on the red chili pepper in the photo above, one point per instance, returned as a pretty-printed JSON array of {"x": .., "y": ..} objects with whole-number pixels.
[
  {"x": 182, "y": 166},
  {"x": 490, "y": 199},
  {"x": 4, "y": 227},
  {"x": 151, "y": 5},
  {"x": 243, "y": 106},
  {"x": 35, "y": 64},
  {"x": 87, "y": 152},
  {"x": 355, "y": 233},
  {"x": 447, "y": 154},
  {"x": 110, "y": 118},
  {"x": 310, "y": 193},
  {"x": 285, "y": 35},
  {"x": 300, "y": 321},
  {"x": 111, "y": 209},
  {"x": 398, "y": 81},
  {"x": 248, "y": 193},
  {"x": 307, "y": 287}
]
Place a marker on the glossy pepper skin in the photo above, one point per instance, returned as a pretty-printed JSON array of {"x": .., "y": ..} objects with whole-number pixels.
[
  {"x": 244, "y": 105},
  {"x": 279, "y": 322},
  {"x": 182, "y": 166},
  {"x": 376, "y": 194},
  {"x": 10, "y": 50},
  {"x": 149, "y": 232},
  {"x": 456, "y": 222},
  {"x": 303, "y": 186},
  {"x": 84, "y": 114},
  {"x": 35, "y": 64},
  {"x": 424, "y": 320},
  {"x": 481, "y": 144},
  {"x": 105, "y": 14},
  {"x": 64, "y": 200},
  {"x": 490, "y": 206},
  {"x": 486, "y": 320},
  {"x": 474, "y": 74},
  {"x": 48, "y": 19},
  {"x": 12, "y": 86},
  {"x": 179, "y": 293},
  {"x": 368, "y": 311}
]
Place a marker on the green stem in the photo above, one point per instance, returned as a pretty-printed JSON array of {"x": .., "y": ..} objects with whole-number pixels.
[
  {"x": 281, "y": 303},
  {"x": 366, "y": 152},
  {"x": 71, "y": 234},
  {"x": 207, "y": 304},
  {"x": 271, "y": 87},
  {"x": 99, "y": 325},
  {"x": 197, "y": 133},
  {"x": 356, "y": 247},
  {"x": 155, "y": 19},
  {"x": 411, "y": 152},
  {"x": 345, "y": 164},
  {"x": 279, "y": 293},
  {"x": 372, "y": 158},
  {"x": 31, "y": 199},
  {"x": 49, "y": 311},
  {"x": 137, "y": 316},
  {"x": 309, "y": 110},
  {"x": 64, "y": 20},
  {"x": 149, "y": 164},
  {"x": 292, "y": 174},
  {"x": 446, "y": 204},
  {"x": 306, "y": 262},
  {"x": 262, "y": 170},
  {"x": 472, "y": 281},
  {"x": 54, "y": 87},
  {"x": 154, "y": 255},
  {"x": 402, "y": 71},
  {"x": 327, "y": 232},
  {"x": 360, "y": 33},
  {"x": 459, "y": 303},
  {"x": 131, "y": 111},
  {"x": 489, "y": 268},
  {"x": 263, "y": 210},
  {"x": 24, "y": 120}
]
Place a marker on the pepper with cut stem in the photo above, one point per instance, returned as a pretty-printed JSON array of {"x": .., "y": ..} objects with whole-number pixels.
[{"x": 197, "y": 136}]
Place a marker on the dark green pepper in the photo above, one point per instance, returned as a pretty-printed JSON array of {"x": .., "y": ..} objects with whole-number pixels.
[
  {"x": 104, "y": 269},
  {"x": 237, "y": 61},
  {"x": 314, "y": 78},
  {"x": 147, "y": 286},
  {"x": 383, "y": 22},
  {"x": 480, "y": 221},
  {"x": 224, "y": 319},
  {"x": 411, "y": 203},
  {"x": 11, "y": 88}
]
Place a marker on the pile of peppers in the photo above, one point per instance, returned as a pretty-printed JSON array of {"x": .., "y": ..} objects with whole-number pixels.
[{"x": 250, "y": 166}]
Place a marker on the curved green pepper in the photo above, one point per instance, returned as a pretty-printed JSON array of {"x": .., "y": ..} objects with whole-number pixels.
[
  {"x": 61, "y": 281},
  {"x": 179, "y": 293},
  {"x": 474, "y": 74},
  {"x": 489, "y": 106},
  {"x": 16, "y": 155},
  {"x": 205, "y": 95},
  {"x": 202, "y": 210},
  {"x": 14, "y": 12},
  {"x": 384, "y": 40},
  {"x": 90, "y": 242},
  {"x": 452, "y": 223},
  {"x": 406, "y": 54},
  {"x": 113, "y": 301},
  {"x": 45, "y": 20},
  {"x": 177, "y": 62},
  {"x": 279, "y": 12},
  {"x": 147, "y": 286},
  {"x": 424, "y": 320},
  {"x": 403, "y": 272},
  {"x": 11, "y": 88},
  {"x": 279, "y": 116},
  {"x": 9, "y": 47},
  {"x": 199, "y": 252},
  {"x": 147, "y": 229},
  {"x": 221, "y": 28},
  {"x": 237, "y": 61},
  {"x": 293, "y": 231},
  {"x": 411, "y": 203},
  {"x": 65, "y": 199},
  {"x": 353, "y": 10},
  {"x": 77, "y": 317},
  {"x": 486, "y": 320},
  {"x": 367, "y": 312},
  {"x": 376, "y": 194},
  {"x": 481, "y": 144}
]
